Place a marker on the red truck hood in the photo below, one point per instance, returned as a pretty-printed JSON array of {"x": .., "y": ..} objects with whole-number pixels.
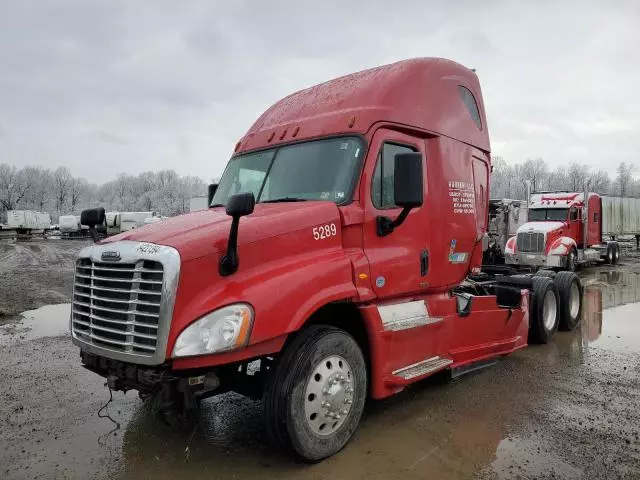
[{"x": 200, "y": 233}]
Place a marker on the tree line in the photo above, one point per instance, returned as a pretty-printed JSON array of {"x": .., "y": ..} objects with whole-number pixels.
[
  {"x": 57, "y": 192},
  {"x": 511, "y": 180}
]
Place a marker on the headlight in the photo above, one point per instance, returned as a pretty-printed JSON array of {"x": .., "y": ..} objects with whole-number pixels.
[{"x": 224, "y": 329}]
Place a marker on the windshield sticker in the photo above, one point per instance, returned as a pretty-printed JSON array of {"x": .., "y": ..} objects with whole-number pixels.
[
  {"x": 462, "y": 197},
  {"x": 344, "y": 146},
  {"x": 325, "y": 195},
  {"x": 339, "y": 195}
]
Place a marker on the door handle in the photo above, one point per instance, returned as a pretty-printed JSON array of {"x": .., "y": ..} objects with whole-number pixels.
[{"x": 424, "y": 262}]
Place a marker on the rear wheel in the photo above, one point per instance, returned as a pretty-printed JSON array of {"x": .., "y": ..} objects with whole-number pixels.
[
  {"x": 315, "y": 398},
  {"x": 545, "y": 273},
  {"x": 570, "y": 295},
  {"x": 616, "y": 253},
  {"x": 543, "y": 310},
  {"x": 610, "y": 256}
]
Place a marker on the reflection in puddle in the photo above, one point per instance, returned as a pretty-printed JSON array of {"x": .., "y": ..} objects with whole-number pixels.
[
  {"x": 47, "y": 321},
  {"x": 610, "y": 310}
]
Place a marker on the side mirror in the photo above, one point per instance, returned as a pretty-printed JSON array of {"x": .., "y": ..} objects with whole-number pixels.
[
  {"x": 211, "y": 192},
  {"x": 92, "y": 217},
  {"x": 407, "y": 180},
  {"x": 239, "y": 205},
  {"x": 408, "y": 190}
]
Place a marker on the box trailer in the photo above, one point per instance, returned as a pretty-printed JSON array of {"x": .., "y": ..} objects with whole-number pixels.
[
  {"x": 199, "y": 203},
  {"x": 113, "y": 220},
  {"x": 133, "y": 220},
  {"x": 620, "y": 217},
  {"x": 28, "y": 221}
]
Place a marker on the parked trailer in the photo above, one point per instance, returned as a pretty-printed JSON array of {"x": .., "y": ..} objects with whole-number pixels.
[
  {"x": 28, "y": 221},
  {"x": 113, "y": 220},
  {"x": 621, "y": 217},
  {"x": 132, "y": 220},
  {"x": 198, "y": 203},
  {"x": 352, "y": 268},
  {"x": 564, "y": 231},
  {"x": 70, "y": 226}
]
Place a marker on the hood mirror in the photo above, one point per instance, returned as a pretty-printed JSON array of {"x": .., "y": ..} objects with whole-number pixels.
[
  {"x": 92, "y": 217},
  {"x": 239, "y": 205}
]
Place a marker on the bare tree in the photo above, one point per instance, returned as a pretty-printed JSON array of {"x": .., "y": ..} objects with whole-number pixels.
[
  {"x": 62, "y": 178},
  {"x": 13, "y": 186},
  {"x": 577, "y": 176},
  {"x": 624, "y": 178},
  {"x": 599, "y": 182}
]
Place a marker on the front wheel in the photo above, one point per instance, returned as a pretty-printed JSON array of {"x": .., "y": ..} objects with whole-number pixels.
[{"x": 315, "y": 398}]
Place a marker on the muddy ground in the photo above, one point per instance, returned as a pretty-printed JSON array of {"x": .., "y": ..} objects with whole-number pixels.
[{"x": 570, "y": 409}]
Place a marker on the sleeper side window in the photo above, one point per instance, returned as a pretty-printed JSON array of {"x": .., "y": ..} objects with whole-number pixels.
[
  {"x": 382, "y": 183},
  {"x": 472, "y": 106}
]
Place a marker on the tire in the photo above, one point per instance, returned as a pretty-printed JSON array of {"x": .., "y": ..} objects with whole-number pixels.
[
  {"x": 306, "y": 366},
  {"x": 571, "y": 261},
  {"x": 570, "y": 295},
  {"x": 610, "y": 256},
  {"x": 524, "y": 281},
  {"x": 543, "y": 314},
  {"x": 545, "y": 273},
  {"x": 616, "y": 253}
]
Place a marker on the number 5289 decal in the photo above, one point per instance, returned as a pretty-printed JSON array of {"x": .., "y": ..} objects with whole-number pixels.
[{"x": 324, "y": 231}]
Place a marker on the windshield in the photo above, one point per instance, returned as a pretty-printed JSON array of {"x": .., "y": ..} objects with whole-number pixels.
[
  {"x": 316, "y": 170},
  {"x": 548, "y": 214}
]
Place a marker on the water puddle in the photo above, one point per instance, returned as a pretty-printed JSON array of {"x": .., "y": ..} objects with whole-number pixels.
[
  {"x": 611, "y": 310},
  {"x": 47, "y": 321}
]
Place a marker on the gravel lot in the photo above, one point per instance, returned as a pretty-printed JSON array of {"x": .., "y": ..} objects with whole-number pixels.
[{"x": 564, "y": 410}]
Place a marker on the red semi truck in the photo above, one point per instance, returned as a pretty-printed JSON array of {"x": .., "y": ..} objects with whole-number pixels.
[
  {"x": 340, "y": 259},
  {"x": 563, "y": 231}
]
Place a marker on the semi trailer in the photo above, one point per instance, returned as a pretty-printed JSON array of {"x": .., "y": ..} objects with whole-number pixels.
[
  {"x": 339, "y": 259},
  {"x": 28, "y": 221},
  {"x": 564, "y": 231}
]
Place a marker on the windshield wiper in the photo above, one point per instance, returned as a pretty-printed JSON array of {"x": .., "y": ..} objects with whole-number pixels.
[
  {"x": 216, "y": 205},
  {"x": 285, "y": 199}
]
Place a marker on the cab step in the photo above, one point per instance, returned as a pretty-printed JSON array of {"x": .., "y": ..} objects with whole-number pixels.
[
  {"x": 472, "y": 367},
  {"x": 403, "y": 375}
]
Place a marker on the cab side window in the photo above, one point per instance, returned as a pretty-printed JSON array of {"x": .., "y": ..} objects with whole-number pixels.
[
  {"x": 382, "y": 184},
  {"x": 573, "y": 214}
]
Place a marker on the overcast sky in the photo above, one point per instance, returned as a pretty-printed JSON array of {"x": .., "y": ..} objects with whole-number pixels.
[{"x": 128, "y": 86}]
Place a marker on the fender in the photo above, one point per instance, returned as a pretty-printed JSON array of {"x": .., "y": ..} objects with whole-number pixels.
[
  {"x": 562, "y": 246},
  {"x": 510, "y": 246},
  {"x": 305, "y": 281}
]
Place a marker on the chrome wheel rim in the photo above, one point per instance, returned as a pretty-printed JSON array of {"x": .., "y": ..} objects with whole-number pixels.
[
  {"x": 329, "y": 395},
  {"x": 549, "y": 310},
  {"x": 574, "y": 300}
]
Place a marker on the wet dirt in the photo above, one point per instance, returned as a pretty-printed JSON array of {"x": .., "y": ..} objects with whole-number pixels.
[
  {"x": 569, "y": 409},
  {"x": 34, "y": 273}
]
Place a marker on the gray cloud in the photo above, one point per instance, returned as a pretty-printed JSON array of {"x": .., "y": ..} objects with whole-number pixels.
[{"x": 113, "y": 86}]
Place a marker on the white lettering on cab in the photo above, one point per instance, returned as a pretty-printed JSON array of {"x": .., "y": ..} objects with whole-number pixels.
[{"x": 324, "y": 231}]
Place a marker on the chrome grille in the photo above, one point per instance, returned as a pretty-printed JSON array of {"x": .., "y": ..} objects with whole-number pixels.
[
  {"x": 117, "y": 305},
  {"x": 530, "y": 242}
]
